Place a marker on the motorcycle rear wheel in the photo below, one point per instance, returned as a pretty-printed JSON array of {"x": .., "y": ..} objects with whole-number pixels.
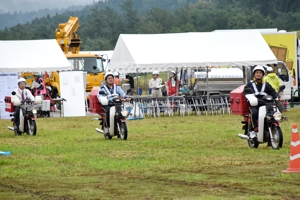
[
  {"x": 251, "y": 143},
  {"x": 31, "y": 127},
  {"x": 107, "y": 136},
  {"x": 277, "y": 141},
  {"x": 123, "y": 131}
]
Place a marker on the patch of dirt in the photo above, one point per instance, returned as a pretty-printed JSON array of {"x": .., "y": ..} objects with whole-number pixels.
[{"x": 33, "y": 193}]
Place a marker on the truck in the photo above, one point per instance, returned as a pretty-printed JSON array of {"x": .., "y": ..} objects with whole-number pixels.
[
  {"x": 224, "y": 80},
  {"x": 69, "y": 42},
  {"x": 284, "y": 46}
]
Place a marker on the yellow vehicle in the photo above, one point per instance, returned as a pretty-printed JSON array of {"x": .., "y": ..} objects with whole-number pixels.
[{"x": 69, "y": 42}]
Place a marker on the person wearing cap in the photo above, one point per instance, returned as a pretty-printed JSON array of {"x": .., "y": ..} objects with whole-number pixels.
[
  {"x": 39, "y": 85},
  {"x": 272, "y": 79},
  {"x": 155, "y": 83},
  {"x": 48, "y": 96},
  {"x": 117, "y": 79},
  {"x": 260, "y": 88},
  {"x": 109, "y": 89},
  {"x": 130, "y": 80},
  {"x": 173, "y": 84},
  {"x": 22, "y": 94}
]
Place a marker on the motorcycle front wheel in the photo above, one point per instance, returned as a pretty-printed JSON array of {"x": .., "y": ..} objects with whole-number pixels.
[
  {"x": 31, "y": 127},
  {"x": 123, "y": 131},
  {"x": 277, "y": 140}
]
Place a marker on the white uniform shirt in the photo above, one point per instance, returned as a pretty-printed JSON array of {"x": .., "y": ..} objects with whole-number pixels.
[
  {"x": 155, "y": 82},
  {"x": 27, "y": 94}
]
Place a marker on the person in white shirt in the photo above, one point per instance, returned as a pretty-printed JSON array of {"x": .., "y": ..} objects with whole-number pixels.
[
  {"x": 22, "y": 94},
  {"x": 155, "y": 83}
]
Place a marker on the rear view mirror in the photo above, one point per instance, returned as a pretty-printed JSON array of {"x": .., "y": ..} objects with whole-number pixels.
[
  {"x": 101, "y": 92},
  {"x": 13, "y": 93}
]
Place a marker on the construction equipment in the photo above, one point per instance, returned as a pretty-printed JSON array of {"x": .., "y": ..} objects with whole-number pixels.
[{"x": 69, "y": 42}]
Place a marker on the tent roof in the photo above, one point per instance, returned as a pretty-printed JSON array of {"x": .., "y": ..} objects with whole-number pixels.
[
  {"x": 163, "y": 52},
  {"x": 32, "y": 55}
]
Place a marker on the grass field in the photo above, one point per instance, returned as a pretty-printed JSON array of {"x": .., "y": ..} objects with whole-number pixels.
[{"x": 192, "y": 157}]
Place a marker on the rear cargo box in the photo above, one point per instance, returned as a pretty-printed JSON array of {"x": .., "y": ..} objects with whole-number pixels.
[
  {"x": 95, "y": 106},
  {"x": 9, "y": 106},
  {"x": 238, "y": 102}
]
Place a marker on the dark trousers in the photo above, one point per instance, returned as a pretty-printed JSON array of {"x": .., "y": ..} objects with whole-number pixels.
[
  {"x": 107, "y": 109},
  {"x": 17, "y": 115},
  {"x": 254, "y": 117}
]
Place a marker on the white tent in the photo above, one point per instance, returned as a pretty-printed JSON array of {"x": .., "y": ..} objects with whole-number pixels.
[
  {"x": 32, "y": 55},
  {"x": 162, "y": 52}
]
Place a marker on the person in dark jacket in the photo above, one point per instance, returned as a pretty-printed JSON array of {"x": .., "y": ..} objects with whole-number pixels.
[
  {"x": 260, "y": 88},
  {"x": 130, "y": 80}
]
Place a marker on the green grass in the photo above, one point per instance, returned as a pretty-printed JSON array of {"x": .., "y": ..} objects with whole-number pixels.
[{"x": 192, "y": 157}]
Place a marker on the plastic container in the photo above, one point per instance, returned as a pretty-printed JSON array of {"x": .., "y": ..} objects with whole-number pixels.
[
  {"x": 238, "y": 102},
  {"x": 9, "y": 106},
  {"x": 95, "y": 106},
  {"x": 139, "y": 91}
]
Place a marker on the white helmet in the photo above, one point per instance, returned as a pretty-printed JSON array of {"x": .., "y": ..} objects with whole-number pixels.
[
  {"x": 173, "y": 72},
  {"x": 36, "y": 74},
  {"x": 49, "y": 88},
  {"x": 21, "y": 80},
  {"x": 155, "y": 72},
  {"x": 108, "y": 74},
  {"x": 269, "y": 69},
  {"x": 116, "y": 74},
  {"x": 259, "y": 67}
]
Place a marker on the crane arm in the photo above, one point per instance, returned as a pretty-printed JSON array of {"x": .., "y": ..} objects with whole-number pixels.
[{"x": 66, "y": 36}]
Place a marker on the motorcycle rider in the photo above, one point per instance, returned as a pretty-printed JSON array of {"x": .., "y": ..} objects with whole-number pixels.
[
  {"x": 22, "y": 94},
  {"x": 260, "y": 88},
  {"x": 110, "y": 88}
]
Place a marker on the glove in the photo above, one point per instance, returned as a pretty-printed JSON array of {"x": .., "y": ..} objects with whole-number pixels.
[{"x": 261, "y": 102}]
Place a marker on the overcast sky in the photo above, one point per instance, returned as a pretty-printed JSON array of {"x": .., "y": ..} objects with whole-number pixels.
[{"x": 31, "y": 5}]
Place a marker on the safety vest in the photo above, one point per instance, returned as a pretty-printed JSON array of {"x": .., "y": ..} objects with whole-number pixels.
[
  {"x": 107, "y": 91},
  {"x": 262, "y": 89}
]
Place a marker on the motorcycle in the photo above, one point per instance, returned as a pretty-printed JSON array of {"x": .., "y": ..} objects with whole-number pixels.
[
  {"x": 28, "y": 110},
  {"x": 118, "y": 115},
  {"x": 269, "y": 118}
]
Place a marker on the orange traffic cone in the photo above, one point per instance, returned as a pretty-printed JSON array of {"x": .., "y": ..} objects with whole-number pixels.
[{"x": 295, "y": 152}]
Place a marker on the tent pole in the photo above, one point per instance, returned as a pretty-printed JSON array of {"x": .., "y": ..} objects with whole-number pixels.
[{"x": 207, "y": 91}]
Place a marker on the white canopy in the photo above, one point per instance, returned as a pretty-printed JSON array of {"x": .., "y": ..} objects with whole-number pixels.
[
  {"x": 163, "y": 52},
  {"x": 32, "y": 55}
]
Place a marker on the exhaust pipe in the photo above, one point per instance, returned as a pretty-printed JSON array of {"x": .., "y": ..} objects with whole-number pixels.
[
  {"x": 245, "y": 137},
  {"x": 10, "y": 128},
  {"x": 99, "y": 130}
]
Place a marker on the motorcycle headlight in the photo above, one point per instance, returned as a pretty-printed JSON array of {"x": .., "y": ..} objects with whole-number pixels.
[
  {"x": 34, "y": 111},
  {"x": 124, "y": 113},
  {"x": 277, "y": 116}
]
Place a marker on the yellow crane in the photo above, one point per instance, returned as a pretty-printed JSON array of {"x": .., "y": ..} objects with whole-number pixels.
[{"x": 69, "y": 42}]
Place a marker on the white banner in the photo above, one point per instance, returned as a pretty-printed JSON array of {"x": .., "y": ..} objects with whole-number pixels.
[
  {"x": 8, "y": 83},
  {"x": 72, "y": 89}
]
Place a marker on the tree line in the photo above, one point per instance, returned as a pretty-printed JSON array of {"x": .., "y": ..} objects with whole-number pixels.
[{"x": 103, "y": 22}]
